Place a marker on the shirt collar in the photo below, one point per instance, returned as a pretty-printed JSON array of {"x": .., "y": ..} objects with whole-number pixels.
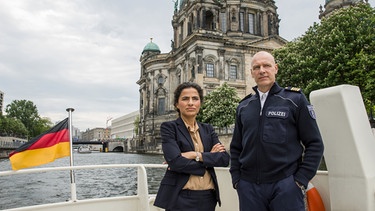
[
  {"x": 195, "y": 127},
  {"x": 261, "y": 93}
]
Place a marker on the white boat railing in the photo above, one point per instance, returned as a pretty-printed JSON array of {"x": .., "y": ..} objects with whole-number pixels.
[
  {"x": 141, "y": 201},
  {"x": 349, "y": 145}
]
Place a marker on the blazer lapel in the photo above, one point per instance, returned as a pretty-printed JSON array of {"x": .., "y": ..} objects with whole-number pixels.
[
  {"x": 182, "y": 127},
  {"x": 204, "y": 137}
]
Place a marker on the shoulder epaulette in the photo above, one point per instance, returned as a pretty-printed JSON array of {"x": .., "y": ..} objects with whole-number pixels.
[
  {"x": 294, "y": 89},
  {"x": 247, "y": 97}
]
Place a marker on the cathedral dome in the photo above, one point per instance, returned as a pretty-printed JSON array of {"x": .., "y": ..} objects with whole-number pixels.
[
  {"x": 182, "y": 3},
  {"x": 151, "y": 47}
]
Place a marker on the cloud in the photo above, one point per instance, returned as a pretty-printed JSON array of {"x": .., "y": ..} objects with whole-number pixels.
[
  {"x": 85, "y": 53},
  {"x": 80, "y": 54}
]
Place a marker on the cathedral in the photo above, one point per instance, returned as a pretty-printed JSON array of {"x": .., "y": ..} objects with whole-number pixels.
[{"x": 213, "y": 43}]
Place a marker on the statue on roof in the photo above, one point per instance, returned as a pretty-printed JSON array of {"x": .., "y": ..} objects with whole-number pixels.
[{"x": 175, "y": 5}]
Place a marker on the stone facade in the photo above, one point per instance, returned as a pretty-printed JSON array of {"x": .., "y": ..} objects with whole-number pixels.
[
  {"x": 96, "y": 134},
  {"x": 332, "y": 5},
  {"x": 213, "y": 44}
]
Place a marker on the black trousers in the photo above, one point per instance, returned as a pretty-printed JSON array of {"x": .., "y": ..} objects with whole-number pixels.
[
  {"x": 278, "y": 196},
  {"x": 195, "y": 200}
]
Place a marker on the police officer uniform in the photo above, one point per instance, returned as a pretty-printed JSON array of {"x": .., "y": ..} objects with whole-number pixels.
[{"x": 268, "y": 144}]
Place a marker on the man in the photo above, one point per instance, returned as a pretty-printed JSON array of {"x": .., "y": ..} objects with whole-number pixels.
[{"x": 276, "y": 146}]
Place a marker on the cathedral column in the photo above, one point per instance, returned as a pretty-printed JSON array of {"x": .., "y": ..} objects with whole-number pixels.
[
  {"x": 223, "y": 73},
  {"x": 176, "y": 42},
  {"x": 265, "y": 23}
]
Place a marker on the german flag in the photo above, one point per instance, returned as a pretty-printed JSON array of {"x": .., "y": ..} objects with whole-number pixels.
[{"x": 43, "y": 149}]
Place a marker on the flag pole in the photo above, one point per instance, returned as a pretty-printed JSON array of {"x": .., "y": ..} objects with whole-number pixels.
[{"x": 73, "y": 189}]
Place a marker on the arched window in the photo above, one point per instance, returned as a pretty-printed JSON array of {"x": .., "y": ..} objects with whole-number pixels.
[
  {"x": 209, "y": 20},
  {"x": 242, "y": 22},
  {"x": 161, "y": 105},
  {"x": 223, "y": 20},
  {"x": 251, "y": 23},
  {"x": 232, "y": 71},
  {"x": 161, "y": 93},
  {"x": 190, "y": 24},
  {"x": 210, "y": 70},
  {"x": 209, "y": 62}
]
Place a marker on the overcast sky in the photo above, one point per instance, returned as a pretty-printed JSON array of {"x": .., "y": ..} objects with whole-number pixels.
[{"x": 85, "y": 54}]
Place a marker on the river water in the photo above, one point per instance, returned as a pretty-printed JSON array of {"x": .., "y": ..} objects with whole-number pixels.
[{"x": 39, "y": 188}]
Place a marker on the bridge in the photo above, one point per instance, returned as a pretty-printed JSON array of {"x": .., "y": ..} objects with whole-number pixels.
[
  {"x": 8, "y": 144},
  {"x": 105, "y": 146}
]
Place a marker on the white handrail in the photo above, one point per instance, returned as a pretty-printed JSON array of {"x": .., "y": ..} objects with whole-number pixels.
[
  {"x": 62, "y": 168},
  {"x": 143, "y": 196}
]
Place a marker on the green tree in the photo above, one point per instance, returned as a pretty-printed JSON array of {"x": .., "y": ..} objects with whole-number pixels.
[
  {"x": 219, "y": 106},
  {"x": 12, "y": 127},
  {"x": 26, "y": 112},
  {"x": 339, "y": 50},
  {"x": 42, "y": 125}
]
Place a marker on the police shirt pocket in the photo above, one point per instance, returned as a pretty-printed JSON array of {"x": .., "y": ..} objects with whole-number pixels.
[{"x": 275, "y": 129}]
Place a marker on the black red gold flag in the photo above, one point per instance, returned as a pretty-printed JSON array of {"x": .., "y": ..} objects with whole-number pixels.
[{"x": 45, "y": 148}]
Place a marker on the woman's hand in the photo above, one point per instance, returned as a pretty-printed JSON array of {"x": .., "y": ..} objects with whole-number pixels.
[{"x": 218, "y": 148}]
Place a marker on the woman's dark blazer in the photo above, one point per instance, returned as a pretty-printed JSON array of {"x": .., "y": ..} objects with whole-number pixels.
[{"x": 175, "y": 140}]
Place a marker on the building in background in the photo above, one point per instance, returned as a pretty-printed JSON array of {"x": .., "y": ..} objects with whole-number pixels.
[
  {"x": 96, "y": 134},
  {"x": 76, "y": 134},
  {"x": 213, "y": 43},
  {"x": 123, "y": 127}
]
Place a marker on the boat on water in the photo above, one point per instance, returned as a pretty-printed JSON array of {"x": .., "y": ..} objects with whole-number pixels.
[
  {"x": 349, "y": 183},
  {"x": 84, "y": 149}
]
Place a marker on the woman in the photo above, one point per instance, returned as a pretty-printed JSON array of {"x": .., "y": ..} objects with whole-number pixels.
[{"x": 192, "y": 150}]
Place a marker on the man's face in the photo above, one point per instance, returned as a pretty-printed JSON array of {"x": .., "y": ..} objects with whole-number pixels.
[{"x": 264, "y": 70}]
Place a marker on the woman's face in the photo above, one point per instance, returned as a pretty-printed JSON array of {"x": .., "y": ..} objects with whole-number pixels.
[{"x": 189, "y": 103}]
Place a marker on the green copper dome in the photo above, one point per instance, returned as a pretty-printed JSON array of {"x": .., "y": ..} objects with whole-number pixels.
[
  {"x": 182, "y": 4},
  {"x": 151, "y": 47}
]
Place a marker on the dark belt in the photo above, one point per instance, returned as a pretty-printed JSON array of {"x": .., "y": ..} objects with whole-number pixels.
[{"x": 197, "y": 192}]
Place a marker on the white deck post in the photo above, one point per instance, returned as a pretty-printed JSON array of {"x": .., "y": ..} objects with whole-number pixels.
[
  {"x": 143, "y": 189},
  {"x": 349, "y": 147}
]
